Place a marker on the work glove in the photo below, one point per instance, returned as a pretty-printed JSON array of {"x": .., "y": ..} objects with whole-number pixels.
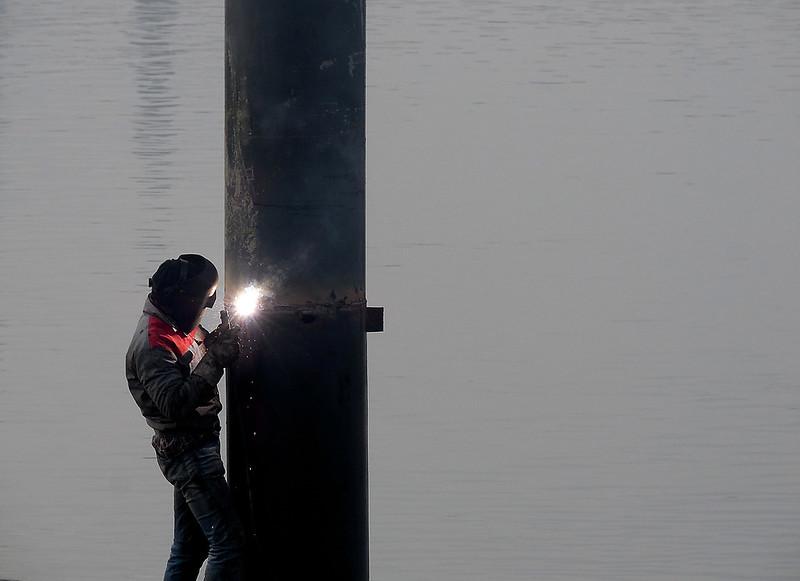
[{"x": 223, "y": 345}]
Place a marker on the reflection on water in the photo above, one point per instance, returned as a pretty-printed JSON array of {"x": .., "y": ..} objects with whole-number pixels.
[
  {"x": 582, "y": 220},
  {"x": 154, "y": 122}
]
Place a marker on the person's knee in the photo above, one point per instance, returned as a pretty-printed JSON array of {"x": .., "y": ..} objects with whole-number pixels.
[
  {"x": 228, "y": 547},
  {"x": 189, "y": 553}
]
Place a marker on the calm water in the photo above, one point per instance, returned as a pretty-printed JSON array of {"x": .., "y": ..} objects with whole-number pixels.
[{"x": 583, "y": 221}]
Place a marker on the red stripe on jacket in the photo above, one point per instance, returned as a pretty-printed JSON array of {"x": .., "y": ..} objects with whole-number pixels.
[{"x": 161, "y": 334}]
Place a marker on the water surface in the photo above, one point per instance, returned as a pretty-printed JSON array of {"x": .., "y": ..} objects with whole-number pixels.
[{"x": 582, "y": 219}]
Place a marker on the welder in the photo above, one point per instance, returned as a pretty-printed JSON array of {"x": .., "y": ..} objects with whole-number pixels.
[{"x": 173, "y": 366}]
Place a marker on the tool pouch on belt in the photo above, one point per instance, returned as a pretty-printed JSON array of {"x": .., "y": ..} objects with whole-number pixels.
[{"x": 172, "y": 444}]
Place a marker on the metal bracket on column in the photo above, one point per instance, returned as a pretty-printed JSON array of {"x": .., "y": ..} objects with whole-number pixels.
[{"x": 374, "y": 319}]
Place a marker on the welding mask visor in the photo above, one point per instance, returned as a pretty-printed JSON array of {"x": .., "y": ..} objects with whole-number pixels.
[{"x": 183, "y": 288}]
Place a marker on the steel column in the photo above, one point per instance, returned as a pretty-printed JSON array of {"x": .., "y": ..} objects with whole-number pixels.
[{"x": 295, "y": 225}]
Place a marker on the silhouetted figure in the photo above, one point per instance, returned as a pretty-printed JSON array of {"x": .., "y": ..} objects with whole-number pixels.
[{"x": 173, "y": 366}]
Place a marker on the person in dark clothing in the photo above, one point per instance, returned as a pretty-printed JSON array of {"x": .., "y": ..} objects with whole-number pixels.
[{"x": 173, "y": 366}]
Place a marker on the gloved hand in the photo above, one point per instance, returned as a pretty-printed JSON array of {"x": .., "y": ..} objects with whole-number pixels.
[{"x": 223, "y": 345}]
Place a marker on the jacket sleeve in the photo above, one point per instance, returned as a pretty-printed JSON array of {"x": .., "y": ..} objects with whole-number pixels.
[{"x": 174, "y": 395}]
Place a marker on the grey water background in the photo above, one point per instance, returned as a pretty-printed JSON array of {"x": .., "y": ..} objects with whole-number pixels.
[{"x": 583, "y": 222}]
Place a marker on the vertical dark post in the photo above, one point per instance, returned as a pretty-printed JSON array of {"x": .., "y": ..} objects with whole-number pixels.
[{"x": 294, "y": 224}]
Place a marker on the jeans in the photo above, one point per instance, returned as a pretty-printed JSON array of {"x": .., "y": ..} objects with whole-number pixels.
[{"x": 206, "y": 524}]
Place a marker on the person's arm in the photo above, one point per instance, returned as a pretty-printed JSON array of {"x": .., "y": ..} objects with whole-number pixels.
[{"x": 174, "y": 395}]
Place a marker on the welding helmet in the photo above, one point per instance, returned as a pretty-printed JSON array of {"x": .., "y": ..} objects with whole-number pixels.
[{"x": 183, "y": 288}]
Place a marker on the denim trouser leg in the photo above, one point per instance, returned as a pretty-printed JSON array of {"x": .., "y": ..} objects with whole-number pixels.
[
  {"x": 189, "y": 544},
  {"x": 205, "y": 520}
]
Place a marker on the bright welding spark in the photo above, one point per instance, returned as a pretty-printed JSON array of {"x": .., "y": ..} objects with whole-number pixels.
[{"x": 246, "y": 302}]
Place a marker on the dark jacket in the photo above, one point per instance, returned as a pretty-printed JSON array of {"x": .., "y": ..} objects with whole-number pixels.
[{"x": 171, "y": 377}]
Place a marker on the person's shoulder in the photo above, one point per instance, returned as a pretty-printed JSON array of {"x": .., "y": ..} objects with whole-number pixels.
[{"x": 139, "y": 339}]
